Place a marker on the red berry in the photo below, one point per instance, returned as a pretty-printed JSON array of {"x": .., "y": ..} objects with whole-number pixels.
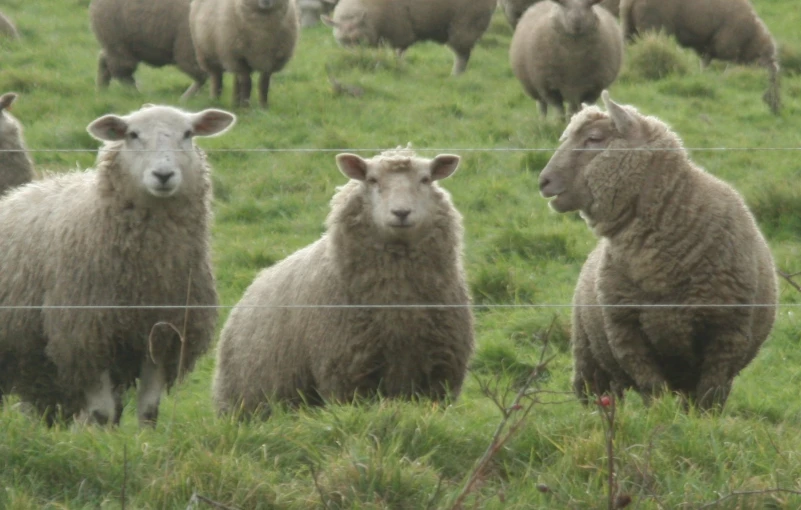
[{"x": 605, "y": 401}]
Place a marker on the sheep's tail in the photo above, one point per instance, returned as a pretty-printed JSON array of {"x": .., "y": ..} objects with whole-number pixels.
[{"x": 772, "y": 96}]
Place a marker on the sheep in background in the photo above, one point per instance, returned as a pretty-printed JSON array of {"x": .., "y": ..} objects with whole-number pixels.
[
  {"x": 153, "y": 32},
  {"x": 514, "y": 9},
  {"x": 16, "y": 167},
  {"x": 310, "y": 11},
  {"x": 669, "y": 234},
  {"x": 566, "y": 51},
  {"x": 394, "y": 238},
  {"x": 7, "y": 27},
  {"x": 728, "y": 30},
  {"x": 131, "y": 237},
  {"x": 458, "y": 24},
  {"x": 243, "y": 36}
]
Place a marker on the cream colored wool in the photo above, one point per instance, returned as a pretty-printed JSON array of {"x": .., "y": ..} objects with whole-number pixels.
[
  {"x": 458, "y": 24},
  {"x": 270, "y": 352},
  {"x": 242, "y": 37},
  {"x": 155, "y": 32},
  {"x": 669, "y": 234}
]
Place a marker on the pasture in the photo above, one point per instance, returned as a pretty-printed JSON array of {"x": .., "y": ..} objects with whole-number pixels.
[{"x": 274, "y": 173}]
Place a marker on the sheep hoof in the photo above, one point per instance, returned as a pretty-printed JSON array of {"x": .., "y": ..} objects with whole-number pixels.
[{"x": 99, "y": 417}]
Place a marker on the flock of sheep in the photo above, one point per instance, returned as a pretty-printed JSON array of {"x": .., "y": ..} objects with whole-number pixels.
[{"x": 380, "y": 303}]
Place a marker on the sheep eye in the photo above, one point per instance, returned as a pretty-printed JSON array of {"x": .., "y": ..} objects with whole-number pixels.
[
  {"x": 372, "y": 180},
  {"x": 425, "y": 180},
  {"x": 133, "y": 135},
  {"x": 187, "y": 134}
]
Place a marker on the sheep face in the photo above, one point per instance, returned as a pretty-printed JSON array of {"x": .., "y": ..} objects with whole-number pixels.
[
  {"x": 577, "y": 16},
  {"x": 583, "y": 175},
  {"x": 399, "y": 193},
  {"x": 9, "y": 127},
  {"x": 353, "y": 30},
  {"x": 156, "y": 145},
  {"x": 261, "y": 6}
]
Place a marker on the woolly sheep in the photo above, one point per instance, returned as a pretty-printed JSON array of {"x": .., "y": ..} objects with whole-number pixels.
[
  {"x": 393, "y": 238},
  {"x": 154, "y": 32},
  {"x": 458, "y": 24},
  {"x": 7, "y": 27},
  {"x": 728, "y": 30},
  {"x": 669, "y": 234},
  {"x": 514, "y": 9},
  {"x": 134, "y": 232},
  {"x": 566, "y": 51},
  {"x": 243, "y": 36},
  {"x": 16, "y": 167},
  {"x": 310, "y": 11}
]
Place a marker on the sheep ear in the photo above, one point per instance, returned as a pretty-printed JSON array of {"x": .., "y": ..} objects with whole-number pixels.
[
  {"x": 108, "y": 128},
  {"x": 594, "y": 2},
  {"x": 212, "y": 122},
  {"x": 352, "y": 166},
  {"x": 444, "y": 166},
  {"x": 6, "y": 100},
  {"x": 620, "y": 117},
  {"x": 328, "y": 21}
]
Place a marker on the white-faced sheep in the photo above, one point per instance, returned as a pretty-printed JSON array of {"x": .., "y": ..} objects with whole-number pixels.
[
  {"x": 320, "y": 325},
  {"x": 670, "y": 235},
  {"x": 16, "y": 167},
  {"x": 99, "y": 266},
  {"x": 566, "y": 51},
  {"x": 310, "y": 11},
  {"x": 7, "y": 27},
  {"x": 728, "y": 30},
  {"x": 514, "y": 9},
  {"x": 458, "y": 24},
  {"x": 153, "y": 32},
  {"x": 243, "y": 36}
]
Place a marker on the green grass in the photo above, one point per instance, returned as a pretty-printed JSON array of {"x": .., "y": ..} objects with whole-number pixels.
[{"x": 413, "y": 455}]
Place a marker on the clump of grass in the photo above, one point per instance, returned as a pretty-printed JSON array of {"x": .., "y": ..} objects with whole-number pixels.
[
  {"x": 790, "y": 59},
  {"x": 777, "y": 207},
  {"x": 655, "y": 56},
  {"x": 502, "y": 283}
]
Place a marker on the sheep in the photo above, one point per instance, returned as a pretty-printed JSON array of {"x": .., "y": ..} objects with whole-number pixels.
[
  {"x": 458, "y": 24},
  {"x": 310, "y": 11},
  {"x": 16, "y": 167},
  {"x": 154, "y": 32},
  {"x": 514, "y": 9},
  {"x": 728, "y": 30},
  {"x": 100, "y": 266},
  {"x": 7, "y": 28},
  {"x": 319, "y": 326},
  {"x": 243, "y": 36},
  {"x": 670, "y": 234},
  {"x": 566, "y": 51}
]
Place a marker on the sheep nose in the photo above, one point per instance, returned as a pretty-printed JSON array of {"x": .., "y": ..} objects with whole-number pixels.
[
  {"x": 544, "y": 181},
  {"x": 163, "y": 175},
  {"x": 402, "y": 214}
]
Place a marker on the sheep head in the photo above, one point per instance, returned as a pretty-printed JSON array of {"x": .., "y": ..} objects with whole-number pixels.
[
  {"x": 577, "y": 16},
  {"x": 594, "y": 170},
  {"x": 399, "y": 190},
  {"x": 155, "y": 145}
]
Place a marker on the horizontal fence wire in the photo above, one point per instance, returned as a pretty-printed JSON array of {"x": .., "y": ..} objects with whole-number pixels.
[
  {"x": 447, "y": 149},
  {"x": 393, "y": 306}
]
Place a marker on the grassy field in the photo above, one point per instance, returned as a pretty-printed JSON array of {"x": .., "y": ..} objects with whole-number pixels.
[{"x": 274, "y": 174}]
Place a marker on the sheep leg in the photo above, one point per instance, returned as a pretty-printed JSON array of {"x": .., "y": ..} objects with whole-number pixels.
[
  {"x": 242, "y": 88},
  {"x": 543, "y": 108},
  {"x": 192, "y": 90},
  {"x": 264, "y": 89},
  {"x": 152, "y": 381},
  {"x": 588, "y": 376},
  {"x": 103, "y": 72},
  {"x": 100, "y": 404},
  {"x": 631, "y": 350},
  {"x": 216, "y": 84},
  {"x": 460, "y": 62},
  {"x": 723, "y": 359}
]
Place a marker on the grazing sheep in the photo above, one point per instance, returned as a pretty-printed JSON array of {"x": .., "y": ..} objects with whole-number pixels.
[
  {"x": 394, "y": 238},
  {"x": 7, "y": 27},
  {"x": 514, "y": 9},
  {"x": 566, "y": 51},
  {"x": 243, "y": 36},
  {"x": 728, "y": 30},
  {"x": 128, "y": 245},
  {"x": 310, "y": 11},
  {"x": 153, "y": 32},
  {"x": 669, "y": 234},
  {"x": 16, "y": 167},
  {"x": 458, "y": 24}
]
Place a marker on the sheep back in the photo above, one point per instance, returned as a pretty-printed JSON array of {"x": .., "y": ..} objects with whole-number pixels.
[
  {"x": 315, "y": 326},
  {"x": 556, "y": 63},
  {"x": 670, "y": 234},
  {"x": 7, "y": 27},
  {"x": 153, "y": 32},
  {"x": 16, "y": 167}
]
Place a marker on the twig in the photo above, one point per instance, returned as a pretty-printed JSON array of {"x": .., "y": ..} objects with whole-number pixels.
[
  {"x": 789, "y": 278},
  {"x": 319, "y": 489},
  {"x": 197, "y": 498},
  {"x": 124, "y": 474},
  {"x": 735, "y": 494}
]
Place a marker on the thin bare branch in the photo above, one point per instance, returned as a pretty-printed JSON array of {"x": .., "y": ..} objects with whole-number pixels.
[
  {"x": 789, "y": 278},
  {"x": 736, "y": 494},
  {"x": 323, "y": 499}
]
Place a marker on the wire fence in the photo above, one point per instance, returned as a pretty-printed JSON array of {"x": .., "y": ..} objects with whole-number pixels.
[{"x": 445, "y": 149}]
